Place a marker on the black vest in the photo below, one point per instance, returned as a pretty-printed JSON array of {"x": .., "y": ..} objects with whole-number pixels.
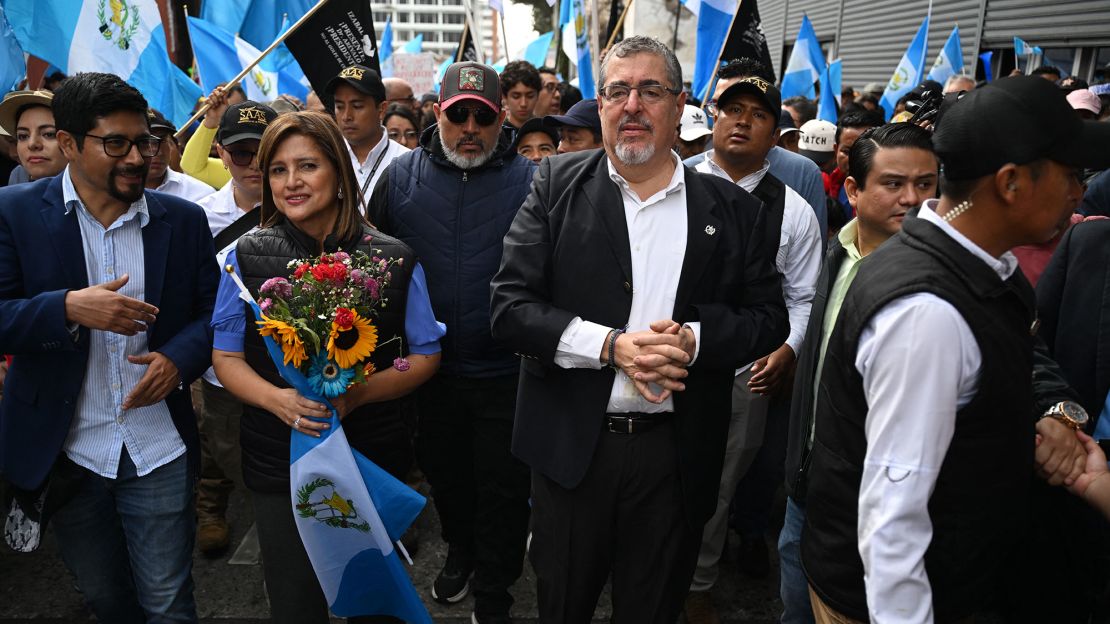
[
  {"x": 979, "y": 506},
  {"x": 377, "y": 429},
  {"x": 772, "y": 192}
]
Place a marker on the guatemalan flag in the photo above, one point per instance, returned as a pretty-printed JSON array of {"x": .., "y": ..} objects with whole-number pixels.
[
  {"x": 806, "y": 65},
  {"x": 950, "y": 61},
  {"x": 221, "y": 55},
  {"x": 714, "y": 19},
  {"x": 121, "y": 37},
  {"x": 910, "y": 70},
  {"x": 349, "y": 513}
]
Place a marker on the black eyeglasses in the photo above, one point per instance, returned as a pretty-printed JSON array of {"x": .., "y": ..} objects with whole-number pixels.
[
  {"x": 118, "y": 147},
  {"x": 482, "y": 114},
  {"x": 241, "y": 158},
  {"x": 649, "y": 93}
]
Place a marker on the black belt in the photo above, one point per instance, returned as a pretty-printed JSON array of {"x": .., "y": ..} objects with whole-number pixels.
[{"x": 634, "y": 422}]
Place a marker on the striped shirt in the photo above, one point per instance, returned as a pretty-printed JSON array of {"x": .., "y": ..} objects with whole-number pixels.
[{"x": 101, "y": 427}]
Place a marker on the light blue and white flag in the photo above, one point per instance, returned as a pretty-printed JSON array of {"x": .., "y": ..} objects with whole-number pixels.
[
  {"x": 986, "y": 59},
  {"x": 13, "y": 65},
  {"x": 263, "y": 20},
  {"x": 586, "y": 82},
  {"x": 806, "y": 64},
  {"x": 414, "y": 45},
  {"x": 536, "y": 51},
  {"x": 910, "y": 70},
  {"x": 121, "y": 37},
  {"x": 221, "y": 55},
  {"x": 950, "y": 61},
  {"x": 385, "y": 50},
  {"x": 714, "y": 19},
  {"x": 349, "y": 513},
  {"x": 227, "y": 14},
  {"x": 1021, "y": 48},
  {"x": 836, "y": 69},
  {"x": 826, "y": 106},
  {"x": 440, "y": 72}
]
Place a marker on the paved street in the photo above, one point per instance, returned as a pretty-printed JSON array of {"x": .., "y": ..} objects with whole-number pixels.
[{"x": 37, "y": 587}]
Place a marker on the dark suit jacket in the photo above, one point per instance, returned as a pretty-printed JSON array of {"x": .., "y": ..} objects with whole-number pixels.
[
  {"x": 567, "y": 254},
  {"x": 41, "y": 259},
  {"x": 1073, "y": 304}
]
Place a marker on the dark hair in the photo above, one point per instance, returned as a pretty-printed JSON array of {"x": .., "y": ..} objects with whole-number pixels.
[
  {"x": 858, "y": 119},
  {"x": 401, "y": 110},
  {"x": 867, "y": 98},
  {"x": 236, "y": 88},
  {"x": 83, "y": 98},
  {"x": 323, "y": 131},
  {"x": 523, "y": 72},
  {"x": 571, "y": 95},
  {"x": 890, "y": 136},
  {"x": 1047, "y": 69},
  {"x": 744, "y": 67},
  {"x": 547, "y": 70},
  {"x": 807, "y": 110}
]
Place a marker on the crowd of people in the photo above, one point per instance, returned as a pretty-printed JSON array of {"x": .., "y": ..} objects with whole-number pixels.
[{"x": 629, "y": 322}]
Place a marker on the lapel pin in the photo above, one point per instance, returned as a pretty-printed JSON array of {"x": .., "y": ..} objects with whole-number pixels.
[{"x": 710, "y": 230}]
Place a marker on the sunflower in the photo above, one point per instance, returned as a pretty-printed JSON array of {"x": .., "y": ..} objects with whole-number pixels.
[
  {"x": 327, "y": 378},
  {"x": 286, "y": 335},
  {"x": 352, "y": 338}
]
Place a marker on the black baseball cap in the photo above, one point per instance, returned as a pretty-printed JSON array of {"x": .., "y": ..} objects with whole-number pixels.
[
  {"x": 470, "y": 81},
  {"x": 786, "y": 122},
  {"x": 582, "y": 115},
  {"x": 362, "y": 78},
  {"x": 155, "y": 119},
  {"x": 1016, "y": 120},
  {"x": 536, "y": 124},
  {"x": 245, "y": 120},
  {"x": 754, "y": 85}
]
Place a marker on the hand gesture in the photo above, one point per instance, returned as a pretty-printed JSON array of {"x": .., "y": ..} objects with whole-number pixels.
[
  {"x": 160, "y": 378},
  {"x": 659, "y": 355},
  {"x": 298, "y": 412},
  {"x": 217, "y": 104},
  {"x": 102, "y": 307},
  {"x": 1094, "y": 466},
  {"x": 1060, "y": 456},
  {"x": 773, "y": 374}
]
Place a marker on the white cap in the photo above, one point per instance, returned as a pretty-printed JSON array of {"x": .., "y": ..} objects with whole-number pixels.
[
  {"x": 694, "y": 124},
  {"x": 817, "y": 140}
]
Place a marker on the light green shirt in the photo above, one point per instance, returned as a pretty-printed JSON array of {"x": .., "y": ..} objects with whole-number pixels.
[{"x": 844, "y": 277}]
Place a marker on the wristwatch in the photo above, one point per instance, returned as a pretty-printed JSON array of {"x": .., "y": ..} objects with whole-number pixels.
[{"x": 1069, "y": 413}]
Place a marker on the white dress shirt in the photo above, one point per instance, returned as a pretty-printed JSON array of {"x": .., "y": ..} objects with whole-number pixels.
[
  {"x": 184, "y": 186},
  {"x": 101, "y": 428},
  {"x": 376, "y": 161},
  {"x": 798, "y": 258},
  {"x": 920, "y": 364},
  {"x": 657, "y": 240}
]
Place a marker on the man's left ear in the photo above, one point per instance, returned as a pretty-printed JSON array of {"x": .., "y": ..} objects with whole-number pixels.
[{"x": 67, "y": 143}]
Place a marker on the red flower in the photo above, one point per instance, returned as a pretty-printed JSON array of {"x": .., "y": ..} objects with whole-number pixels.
[
  {"x": 344, "y": 318},
  {"x": 301, "y": 270}
]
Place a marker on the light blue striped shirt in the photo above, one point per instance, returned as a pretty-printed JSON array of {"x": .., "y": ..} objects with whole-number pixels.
[{"x": 101, "y": 427}]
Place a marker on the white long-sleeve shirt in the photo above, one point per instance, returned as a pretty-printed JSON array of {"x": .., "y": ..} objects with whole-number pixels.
[{"x": 920, "y": 364}]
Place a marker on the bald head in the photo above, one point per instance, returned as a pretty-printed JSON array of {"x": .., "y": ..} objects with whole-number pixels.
[{"x": 398, "y": 91}]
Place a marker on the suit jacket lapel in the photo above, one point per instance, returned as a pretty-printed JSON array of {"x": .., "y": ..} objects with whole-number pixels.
[
  {"x": 64, "y": 233},
  {"x": 703, "y": 230},
  {"x": 602, "y": 193},
  {"x": 156, "y": 247}
]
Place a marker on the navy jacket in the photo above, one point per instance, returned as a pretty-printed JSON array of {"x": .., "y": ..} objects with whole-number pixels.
[
  {"x": 41, "y": 259},
  {"x": 456, "y": 221}
]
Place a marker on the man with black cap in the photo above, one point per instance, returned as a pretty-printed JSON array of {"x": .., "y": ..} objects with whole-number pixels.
[
  {"x": 536, "y": 140},
  {"x": 745, "y": 129},
  {"x": 579, "y": 129},
  {"x": 162, "y": 176},
  {"x": 452, "y": 200},
  {"x": 358, "y": 100},
  {"x": 923, "y": 456}
]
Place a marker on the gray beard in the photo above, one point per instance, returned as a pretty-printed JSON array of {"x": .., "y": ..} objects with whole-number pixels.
[
  {"x": 632, "y": 156},
  {"x": 466, "y": 162}
]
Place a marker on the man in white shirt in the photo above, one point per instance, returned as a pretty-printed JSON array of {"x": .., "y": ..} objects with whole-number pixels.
[
  {"x": 358, "y": 100},
  {"x": 922, "y": 454},
  {"x": 162, "y": 176},
  {"x": 745, "y": 115}
]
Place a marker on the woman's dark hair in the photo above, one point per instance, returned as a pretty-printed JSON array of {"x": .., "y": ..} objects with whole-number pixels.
[
  {"x": 83, "y": 98},
  {"x": 862, "y": 155},
  {"x": 807, "y": 109},
  {"x": 324, "y": 132},
  {"x": 571, "y": 95},
  {"x": 523, "y": 72},
  {"x": 401, "y": 110}
]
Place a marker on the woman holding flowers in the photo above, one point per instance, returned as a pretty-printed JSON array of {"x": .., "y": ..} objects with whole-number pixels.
[{"x": 371, "y": 323}]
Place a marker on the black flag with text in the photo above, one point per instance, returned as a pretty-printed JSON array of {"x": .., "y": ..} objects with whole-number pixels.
[
  {"x": 338, "y": 35},
  {"x": 746, "y": 38},
  {"x": 467, "y": 51}
]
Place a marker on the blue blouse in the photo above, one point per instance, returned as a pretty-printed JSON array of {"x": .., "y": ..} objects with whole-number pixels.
[{"x": 422, "y": 330}]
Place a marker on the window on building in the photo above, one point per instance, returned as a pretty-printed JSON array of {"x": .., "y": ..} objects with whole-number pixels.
[
  {"x": 453, "y": 18},
  {"x": 1102, "y": 66},
  {"x": 427, "y": 18},
  {"x": 1060, "y": 58},
  {"x": 451, "y": 37},
  {"x": 381, "y": 16},
  {"x": 404, "y": 17},
  {"x": 429, "y": 35}
]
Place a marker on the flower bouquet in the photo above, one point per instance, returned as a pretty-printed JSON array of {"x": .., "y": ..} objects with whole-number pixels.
[{"x": 322, "y": 317}]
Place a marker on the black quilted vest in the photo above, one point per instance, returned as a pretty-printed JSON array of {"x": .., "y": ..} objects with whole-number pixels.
[
  {"x": 377, "y": 429},
  {"x": 979, "y": 506}
]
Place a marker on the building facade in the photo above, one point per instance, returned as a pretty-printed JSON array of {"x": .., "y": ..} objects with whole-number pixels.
[{"x": 440, "y": 21}]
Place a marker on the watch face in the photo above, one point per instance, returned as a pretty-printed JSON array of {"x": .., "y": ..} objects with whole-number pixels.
[{"x": 1074, "y": 411}]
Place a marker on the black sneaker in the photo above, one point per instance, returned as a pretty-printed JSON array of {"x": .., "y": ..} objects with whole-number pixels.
[
  {"x": 490, "y": 619},
  {"x": 453, "y": 582}
]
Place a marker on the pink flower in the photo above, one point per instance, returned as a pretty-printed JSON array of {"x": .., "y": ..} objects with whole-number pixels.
[
  {"x": 266, "y": 304},
  {"x": 341, "y": 256},
  {"x": 277, "y": 287},
  {"x": 401, "y": 364},
  {"x": 372, "y": 286}
]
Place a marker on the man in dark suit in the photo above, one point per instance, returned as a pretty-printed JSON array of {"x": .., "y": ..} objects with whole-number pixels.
[
  {"x": 106, "y": 294},
  {"x": 634, "y": 288}
]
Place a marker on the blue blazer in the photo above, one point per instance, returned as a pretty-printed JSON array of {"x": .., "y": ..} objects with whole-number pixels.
[{"x": 41, "y": 259}]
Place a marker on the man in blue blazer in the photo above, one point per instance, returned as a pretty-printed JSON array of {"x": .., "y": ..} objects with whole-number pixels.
[{"x": 106, "y": 294}]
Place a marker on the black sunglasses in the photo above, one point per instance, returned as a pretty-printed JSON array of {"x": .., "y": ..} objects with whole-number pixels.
[
  {"x": 241, "y": 158},
  {"x": 482, "y": 114}
]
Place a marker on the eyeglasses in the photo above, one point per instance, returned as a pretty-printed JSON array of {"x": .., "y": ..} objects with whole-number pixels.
[
  {"x": 550, "y": 86},
  {"x": 241, "y": 158},
  {"x": 649, "y": 93},
  {"x": 118, "y": 147},
  {"x": 482, "y": 114},
  {"x": 408, "y": 134}
]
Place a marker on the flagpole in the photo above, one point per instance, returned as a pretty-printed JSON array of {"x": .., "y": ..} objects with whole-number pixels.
[
  {"x": 246, "y": 70},
  {"x": 620, "y": 22},
  {"x": 724, "y": 44},
  {"x": 504, "y": 37}
]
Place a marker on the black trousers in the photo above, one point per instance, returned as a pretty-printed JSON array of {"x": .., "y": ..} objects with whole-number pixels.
[
  {"x": 625, "y": 519},
  {"x": 480, "y": 490}
]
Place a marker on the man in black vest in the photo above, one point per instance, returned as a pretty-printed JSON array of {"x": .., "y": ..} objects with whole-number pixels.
[{"x": 922, "y": 457}]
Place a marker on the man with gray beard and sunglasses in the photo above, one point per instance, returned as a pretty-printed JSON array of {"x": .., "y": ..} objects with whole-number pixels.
[
  {"x": 633, "y": 287},
  {"x": 452, "y": 199}
]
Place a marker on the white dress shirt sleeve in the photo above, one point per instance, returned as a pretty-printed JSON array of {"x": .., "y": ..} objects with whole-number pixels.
[
  {"x": 800, "y": 266},
  {"x": 580, "y": 344},
  {"x": 920, "y": 364}
]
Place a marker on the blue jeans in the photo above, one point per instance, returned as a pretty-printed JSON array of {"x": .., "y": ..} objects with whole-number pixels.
[
  {"x": 129, "y": 543},
  {"x": 793, "y": 586}
]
